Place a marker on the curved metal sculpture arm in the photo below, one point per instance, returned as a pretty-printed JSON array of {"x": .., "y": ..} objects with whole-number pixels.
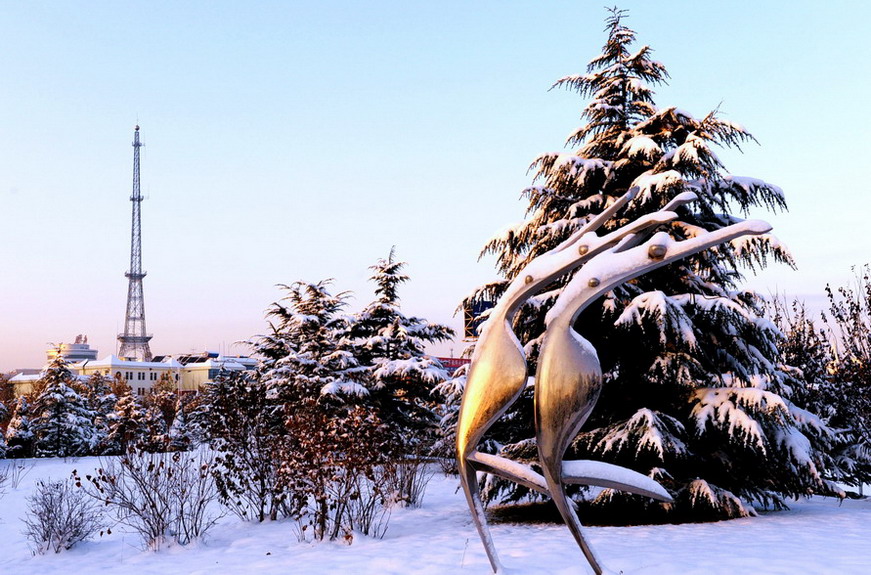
[
  {"x": 608, "y": 271},
  {"x": 563, "y": 349},
  {"x": 551, "y": 265},
  {"x": 679, "y": 200},
  {"x": 599, "y": 220}
]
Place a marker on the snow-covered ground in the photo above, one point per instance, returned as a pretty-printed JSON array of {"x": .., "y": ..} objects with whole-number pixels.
[{"x": 817, "y": 537}]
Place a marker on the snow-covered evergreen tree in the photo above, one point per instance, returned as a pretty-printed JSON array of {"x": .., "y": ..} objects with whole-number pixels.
[
  {"x": 154, "y": 436},
  {"x": 62, "y": 423},
  {"x": 309, "y": 353},
  {"x": 401, "y": 375},
  {"x": 5, "y": 411},
  {"x": 450, "y": 394},
  {"x": 3, "y": 447},
  {"x": 101, "y": 401},
  {"x": 19, "y": 433},
  {"x": 126, "y": 423},
  {"x": 691, "y": 371},
  {"x": 181, "y": 436}
]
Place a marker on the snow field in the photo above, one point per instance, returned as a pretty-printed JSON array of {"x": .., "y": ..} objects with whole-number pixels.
[{"x": 817, "y": 537}]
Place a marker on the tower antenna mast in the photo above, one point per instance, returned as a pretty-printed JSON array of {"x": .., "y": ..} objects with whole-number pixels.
[{"x": 134, "y": 340}]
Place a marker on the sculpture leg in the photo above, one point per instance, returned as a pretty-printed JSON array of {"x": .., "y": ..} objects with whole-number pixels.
[
  {"x": 469, "y": 481},
  {"x": 568, "y": 510}
]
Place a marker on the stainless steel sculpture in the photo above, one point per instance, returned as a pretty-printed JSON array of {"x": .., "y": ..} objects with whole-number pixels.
[{"x": 569, "y": 378}]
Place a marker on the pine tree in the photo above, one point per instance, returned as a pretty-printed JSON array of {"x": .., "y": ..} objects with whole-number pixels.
[
  {"x": 101, "y": 401},
  {"x": 402, "y": 376},
  {"x": 450, "y": 394},
  {"x": 154, "y": 433},
  {"x": 181, "y": 434},
  {"x": 309, "y": 354},
  {"x": 815, "y": 387},
  {"x": 62, "y": 423},
  {"x": 6, "y": 401},
  {"x": 690, "y": 366},
  {"x": 19, "y": 433},
  {"x": 126, "y": 423}
]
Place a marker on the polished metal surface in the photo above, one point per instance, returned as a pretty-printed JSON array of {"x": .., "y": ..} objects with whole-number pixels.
[
  {"x": 498, "y": 372},
  {"x": 569, "y": 376}
]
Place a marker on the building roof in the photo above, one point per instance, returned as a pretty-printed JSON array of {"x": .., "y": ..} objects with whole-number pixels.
[{"x": 113, "y": 361}]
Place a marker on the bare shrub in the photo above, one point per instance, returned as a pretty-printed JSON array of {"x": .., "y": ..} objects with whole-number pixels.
[
  {"x": 370, "y": 509},
  {"x": 330, "y": 461},
  {"x": 59, "y": 516},
  {"x": 409, "y": 478},
  {"x": 164, "y": 497},
  {"x": 12, "y": 472},
  {"x": 16, "y": 471},
  {"x": 246, "y": 435}
]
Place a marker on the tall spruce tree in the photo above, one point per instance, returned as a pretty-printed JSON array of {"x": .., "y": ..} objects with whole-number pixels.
[
  {"x": 392, "y": 345},
  {"x": 126, "y": 424},
  {"x": 19, "y": 433},
  {"x": 308, "y": 353},
  {"x": 101, "y": 400},
  {"x": 692, "y": 380},
  {"x": 62, "y": 422}
]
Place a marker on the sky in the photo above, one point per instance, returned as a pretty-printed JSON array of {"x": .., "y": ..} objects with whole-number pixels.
[{"x": 298, "y": 141}]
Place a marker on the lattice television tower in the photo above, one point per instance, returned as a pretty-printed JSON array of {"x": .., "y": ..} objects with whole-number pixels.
[{"x": 134, "y": 340}]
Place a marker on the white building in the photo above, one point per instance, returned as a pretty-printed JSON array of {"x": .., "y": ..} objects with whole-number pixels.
[
  {"x": 139, "y": 375},
  {"x": 189, "y": 372},
  {"x": 73, "y": 352}
]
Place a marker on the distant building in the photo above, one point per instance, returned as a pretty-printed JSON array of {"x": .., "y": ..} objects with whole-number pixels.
[
  {"x": 23, "y": 382},
  {"x": 201, "y": 368},
  {"x": 139, "y": 375},
  {"x": 79, "y": 351},
  {"x": 452, "y": 364},
  {"x": 73, "y": 352},
  {"x": 189, "y": 372}
]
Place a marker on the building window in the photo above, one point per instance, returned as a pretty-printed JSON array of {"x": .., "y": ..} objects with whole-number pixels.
[
  {"x": 140, "y": 391},
  {"x": 152, "y": 376},
  {"x": 140, "y": 376},
  {"x": 128, "y": 375},
  {"x": 176, "y": 377}
]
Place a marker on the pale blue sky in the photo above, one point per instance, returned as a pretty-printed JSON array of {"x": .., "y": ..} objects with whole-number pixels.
[{"x": 297, "y": 141}]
